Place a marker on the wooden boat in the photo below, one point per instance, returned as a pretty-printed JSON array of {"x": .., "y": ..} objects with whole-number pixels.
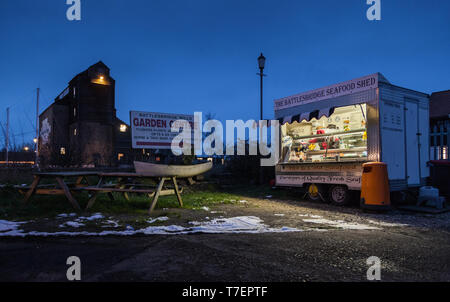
[{"x": 160, "y": 170}]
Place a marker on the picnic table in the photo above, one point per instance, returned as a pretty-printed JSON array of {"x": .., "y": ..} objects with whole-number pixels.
[
  {"x": 124, "y": 183},
  {"x": 124, "y": 186},
  {"x": 62, "y": 186}
]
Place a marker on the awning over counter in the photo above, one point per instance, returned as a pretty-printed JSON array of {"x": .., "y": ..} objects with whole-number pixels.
[{"x": 307, "y": 116}]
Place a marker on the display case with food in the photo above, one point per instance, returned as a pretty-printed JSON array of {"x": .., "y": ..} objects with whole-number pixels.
[{"x": 340, "y": 137}]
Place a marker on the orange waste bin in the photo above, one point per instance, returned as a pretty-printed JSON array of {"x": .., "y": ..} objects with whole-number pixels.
[{"x": 375, "y": 186}]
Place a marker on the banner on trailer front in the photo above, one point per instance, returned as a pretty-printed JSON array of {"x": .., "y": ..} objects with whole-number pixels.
[
  {"x": 332, "y": 91},
  {"x": 151, "y": 130},
  {"x": 348, "y": 174}
]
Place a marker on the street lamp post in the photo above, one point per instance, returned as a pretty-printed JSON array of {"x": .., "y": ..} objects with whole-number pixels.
[{"x": 261, "y": 63}]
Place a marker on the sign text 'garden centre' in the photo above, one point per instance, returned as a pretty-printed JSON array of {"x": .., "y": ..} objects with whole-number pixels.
[{"x": 151, "y": 130}]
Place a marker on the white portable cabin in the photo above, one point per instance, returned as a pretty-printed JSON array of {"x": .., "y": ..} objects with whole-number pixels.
[{"x": 328, "y": 133}]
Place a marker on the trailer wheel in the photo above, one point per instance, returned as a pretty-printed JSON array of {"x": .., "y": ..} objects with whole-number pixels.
[
  {"x": 314, "y": 192},
  {"x": 339, "y": 195}
]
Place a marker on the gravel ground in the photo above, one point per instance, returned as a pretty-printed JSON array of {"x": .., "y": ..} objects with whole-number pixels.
[{"x": 328, "y": 244}]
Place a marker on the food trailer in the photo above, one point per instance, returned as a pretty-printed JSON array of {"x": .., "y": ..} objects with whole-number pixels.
[{"x": 328, "y": 133}]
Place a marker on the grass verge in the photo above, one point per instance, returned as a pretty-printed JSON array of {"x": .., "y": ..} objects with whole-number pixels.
[{"x": 12, "y": 206}]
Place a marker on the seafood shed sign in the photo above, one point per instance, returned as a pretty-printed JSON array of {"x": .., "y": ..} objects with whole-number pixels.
[
  {"x": 151, "y": 130},
  {"x": 332, "y": 91}
]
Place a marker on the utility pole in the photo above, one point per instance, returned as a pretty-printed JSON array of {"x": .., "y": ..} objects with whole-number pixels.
[
  {"x": 37, "y": 128},
  {"x": 7, "y": 135}
]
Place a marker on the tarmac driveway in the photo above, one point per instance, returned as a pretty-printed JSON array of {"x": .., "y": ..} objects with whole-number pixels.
[{"x": 293, "y": 241}]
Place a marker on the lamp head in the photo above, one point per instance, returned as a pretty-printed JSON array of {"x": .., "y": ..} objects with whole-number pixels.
[{"x": 261, "y": 61}]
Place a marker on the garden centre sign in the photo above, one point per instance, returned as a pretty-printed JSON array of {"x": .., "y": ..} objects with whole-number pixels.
[{"x": 151, "y": 130}]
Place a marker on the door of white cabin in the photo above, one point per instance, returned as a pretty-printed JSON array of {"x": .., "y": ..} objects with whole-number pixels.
[{"x": 412, "y": 143}]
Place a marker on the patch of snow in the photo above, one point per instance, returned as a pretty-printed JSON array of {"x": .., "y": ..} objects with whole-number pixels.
[
  {"x": 64, "y": 215},
  {"x": 205, "y": 208},
  {"x": 269, "y": 196},
  {"x": 288, "y": 229},
  {"x": 279, "y": 215},
  {"x": 93, "y": 217},
  {"x": 161, "y": 218},
  {"x": 242, "y": 224},
  {"x": 243, "y": 201},
  {"x": 342, "y": 224},
  {"x": 163, "y": 230},
  {"x": 387, "y": 224},
  {"x": 110, "y": 224},
  {"x": 6, "y": 225},
  {"x": 73, "y": 224},
  {"x": 310, "y": 215}
]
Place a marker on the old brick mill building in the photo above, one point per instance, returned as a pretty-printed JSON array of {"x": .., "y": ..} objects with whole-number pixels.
[{"x": 80, "y": 128}]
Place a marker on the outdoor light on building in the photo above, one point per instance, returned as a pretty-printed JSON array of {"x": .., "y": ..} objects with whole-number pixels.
[
  {"x": 100, "y": 78},
  {"x": 123, "y": 128},
  {"x": 35, "y": 140},
  {"x": 26, "y": 148}
]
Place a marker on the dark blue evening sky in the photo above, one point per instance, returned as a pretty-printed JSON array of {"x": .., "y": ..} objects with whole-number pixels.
[{"x": 200, "y": 55}]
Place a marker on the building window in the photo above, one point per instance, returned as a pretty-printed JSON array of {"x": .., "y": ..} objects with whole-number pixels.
[
  {"x": 62, "y": 151},
  {"x": 74, "y": 92},
  {"x": 123, "y": 128},
  {"x": 74, "y": 111},
  {"x": 75, "y": 131},
  {"x": 119, "y": 156}
]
